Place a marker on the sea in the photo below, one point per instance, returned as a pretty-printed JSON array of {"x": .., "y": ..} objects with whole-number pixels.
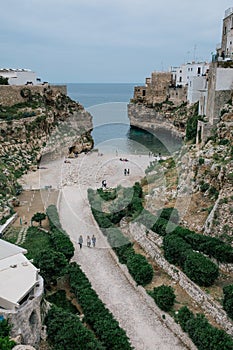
[{"x": 107, "y": 103}]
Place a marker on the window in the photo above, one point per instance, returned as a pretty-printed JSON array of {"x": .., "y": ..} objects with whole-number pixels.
[
  {"x": 180, "y": 80},
  {"x": 199, "y": 70}
]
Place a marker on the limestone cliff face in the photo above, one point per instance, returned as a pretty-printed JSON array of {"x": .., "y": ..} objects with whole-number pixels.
[
  {"x": 47, "y": 122},
  {"x": 163, "y": 116},
  {"x": 200, "y": 183}
]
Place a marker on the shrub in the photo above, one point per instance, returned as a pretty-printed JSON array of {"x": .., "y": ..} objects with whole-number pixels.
[
  {"x": 170, "y": 214},
  {"x": 204, "y": 187},
  {"x": 107, "y": 195},
  {"x": 62, "y": 243},
  {"x": 191, "y": 128},
  {"x": 200, "y": 269},
  {"x": 59, "y": 299},
  {"x": 176, "y": 249},
  {"x": 52, "y": 214},
  {"x": 140, "y": 269},
  {"x": 65, "y": 331},
  {"x": 164, "y": 297},
  {"x": 201, "y": 161},
  {"x": 52, "y": 265},
  {"x": 183, "y": 316},
  {"x": 228, "y": 300}
]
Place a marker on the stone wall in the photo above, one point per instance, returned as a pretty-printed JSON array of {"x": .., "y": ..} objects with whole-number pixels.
[
  {"x": 10, "y": 94},
  {"x": 26, "y": 321},
  {"x": 148, "y": 239}
]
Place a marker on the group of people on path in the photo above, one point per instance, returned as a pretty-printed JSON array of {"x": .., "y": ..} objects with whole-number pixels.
[{"x": 90, "y": 241}]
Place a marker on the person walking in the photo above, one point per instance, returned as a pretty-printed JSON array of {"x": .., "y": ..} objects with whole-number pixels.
[
  {"x": 88, "y": 242},
  {"x": 93, "y": 240},
  {"x": 80, "y": 241}
]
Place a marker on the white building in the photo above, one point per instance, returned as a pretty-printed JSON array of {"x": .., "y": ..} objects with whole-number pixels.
[
  {"x": 197, "y": 90},
  {"x": 21, "y": 291},
  {"x": 18, "y": 276},
  {"x": 183, "y": 74},
  {"x": 20, "y": 76}
]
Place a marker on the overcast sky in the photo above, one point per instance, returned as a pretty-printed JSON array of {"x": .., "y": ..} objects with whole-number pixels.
[{"x": 107, "y": 40}]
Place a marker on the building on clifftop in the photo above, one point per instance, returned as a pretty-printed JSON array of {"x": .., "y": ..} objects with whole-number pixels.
[
  {"x": 20, "y": 76},
  {"x": 21, "y": 290}
]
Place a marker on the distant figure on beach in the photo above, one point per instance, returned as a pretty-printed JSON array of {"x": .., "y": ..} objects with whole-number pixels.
[
  {"x": 88, "y": 241},
  {"x": 93, "y": 240},
  {"x": 80, "y": 241},
  {"x": 127, "y": 171}
]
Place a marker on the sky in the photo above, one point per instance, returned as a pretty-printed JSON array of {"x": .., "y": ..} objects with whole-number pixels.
[{"x": 94, "y": 41}]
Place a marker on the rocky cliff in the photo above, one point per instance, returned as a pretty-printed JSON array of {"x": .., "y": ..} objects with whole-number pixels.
[
  {"x": 160, "y": 116},
  {"x": 47, "y": 122},
  {"x": 198, "y": 181}
]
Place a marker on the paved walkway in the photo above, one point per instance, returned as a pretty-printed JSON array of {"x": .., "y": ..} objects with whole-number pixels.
[{"x": 142, "y": 325}]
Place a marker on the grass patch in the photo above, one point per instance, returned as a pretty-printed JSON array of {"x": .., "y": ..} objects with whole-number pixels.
[{"x": 36, "y": 241}]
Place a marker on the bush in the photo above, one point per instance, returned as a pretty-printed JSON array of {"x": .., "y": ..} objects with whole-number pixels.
[
  {"x": 183, "y": 316},
  {"x": 59, "y": 299},
  {"x": 191, "y": 128},
  {"x": 52, "y": 214},
  {"x": 107, "y": 195},
  {"x": 170, "y": 214},
  {"x": 140, "y": 269},
  {"x": 66, "y": 331},
  {"x": 52, "y": 265},
  {"x": 228, "y": 300},
  {"x": 203, "y": 334},
  {"x": 200, "y": 269},
  {"x": 62, "y": 243},
  {"x": 176, "y": 249},
  {"x": 164, "y": 297}
]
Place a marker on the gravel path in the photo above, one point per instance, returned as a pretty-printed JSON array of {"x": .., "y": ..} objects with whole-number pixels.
[{"x": 142, "y": 325}]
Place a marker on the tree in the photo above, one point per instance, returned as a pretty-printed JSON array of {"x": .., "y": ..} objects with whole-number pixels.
[
  {"x": 164, "y": 297},
  {"x": 3, "y": 81},
  {"x": 39, "y": 217},
  {"x": 52, "y": 265}
]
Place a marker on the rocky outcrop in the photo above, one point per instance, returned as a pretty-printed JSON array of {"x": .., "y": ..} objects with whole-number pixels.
[
  {"x": 47, "y": 122},
  {"x": 150, "y": 119}
]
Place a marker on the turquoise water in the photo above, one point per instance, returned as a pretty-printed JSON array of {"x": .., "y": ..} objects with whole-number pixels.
[{"x": 107, "y": 103}]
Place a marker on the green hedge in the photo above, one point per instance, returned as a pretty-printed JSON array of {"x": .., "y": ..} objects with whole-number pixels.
[
  {"x": 61, "y": 243},
  {"x": 203, "y": 335},
  {"x": 66, "y": 331},
  {"x": 196, "y": 266},
  {"x": 228, "y": 300},
  {"x": 210, "y": 246},
  {"x": 139, "y": 268},
  {"x": 97, "y": 316},
  {"x": 53, "y": 217},
  {"x": 200, "y": 269}
]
